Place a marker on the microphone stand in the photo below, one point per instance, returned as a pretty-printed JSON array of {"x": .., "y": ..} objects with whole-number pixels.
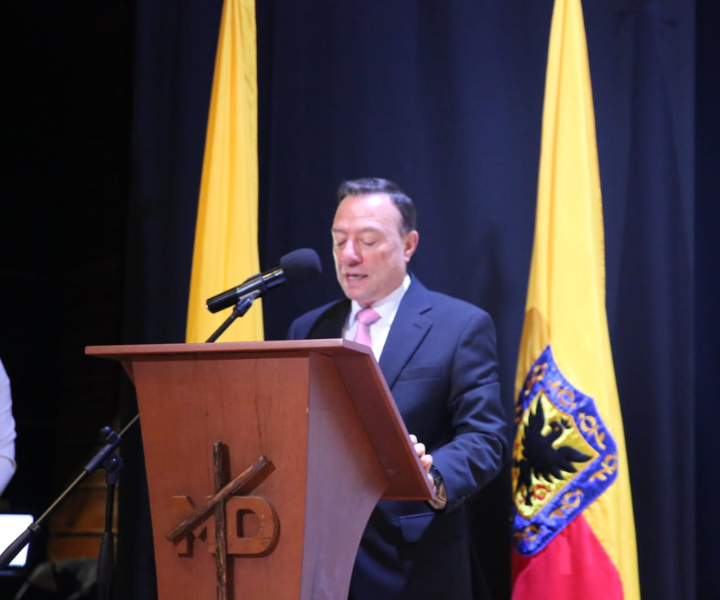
[
  {"x": 240, "y": 309},
  {"x": 106, "y": 555},
  {"x": 109, "y": 460}
]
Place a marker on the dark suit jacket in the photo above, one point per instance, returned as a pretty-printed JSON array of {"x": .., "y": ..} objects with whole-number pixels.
[{"x": 440, "y": 364}]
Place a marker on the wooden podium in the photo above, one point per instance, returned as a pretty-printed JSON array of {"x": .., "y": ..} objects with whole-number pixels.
[{"x": 264, "y": 461}]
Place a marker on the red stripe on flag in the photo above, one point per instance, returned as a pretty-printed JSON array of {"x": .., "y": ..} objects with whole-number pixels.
[{"x": 573, "y": 566}]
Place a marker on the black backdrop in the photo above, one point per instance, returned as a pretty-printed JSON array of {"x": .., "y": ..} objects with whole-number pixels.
[{"x": 446, "y": 99}]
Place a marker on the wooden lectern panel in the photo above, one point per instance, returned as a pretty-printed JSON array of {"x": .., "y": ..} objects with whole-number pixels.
[
  {"x": 320, "y": 413},
  {"x": 179, "y": 429}
]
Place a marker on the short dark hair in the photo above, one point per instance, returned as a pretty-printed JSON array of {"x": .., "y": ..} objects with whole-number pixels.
[{"x": 375, "y": 185}]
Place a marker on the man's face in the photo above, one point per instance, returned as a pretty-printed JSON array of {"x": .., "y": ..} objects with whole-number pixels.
[{"x": 371, "y": 253}]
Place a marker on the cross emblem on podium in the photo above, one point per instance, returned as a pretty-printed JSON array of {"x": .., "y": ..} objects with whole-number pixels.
[{"x": 222, "y": 502}]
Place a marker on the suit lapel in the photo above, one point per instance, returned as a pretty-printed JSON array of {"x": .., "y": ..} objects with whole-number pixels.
[{"x": 407, "y": 331}]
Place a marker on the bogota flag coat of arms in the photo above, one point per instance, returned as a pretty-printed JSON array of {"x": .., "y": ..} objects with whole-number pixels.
[{"x": 573, "y": 526}]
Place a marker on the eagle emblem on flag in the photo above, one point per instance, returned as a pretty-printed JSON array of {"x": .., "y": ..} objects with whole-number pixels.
[{"x": 563, "y": 457}]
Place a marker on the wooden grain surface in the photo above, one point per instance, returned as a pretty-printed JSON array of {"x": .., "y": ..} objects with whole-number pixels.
[{"x": 321, "y": 413}]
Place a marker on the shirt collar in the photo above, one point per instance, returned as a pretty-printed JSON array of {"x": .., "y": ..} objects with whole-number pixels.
[{"x": 386, "y": 307}]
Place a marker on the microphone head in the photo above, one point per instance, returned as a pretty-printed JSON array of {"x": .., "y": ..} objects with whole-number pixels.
[{"x": 301, "y": 265}]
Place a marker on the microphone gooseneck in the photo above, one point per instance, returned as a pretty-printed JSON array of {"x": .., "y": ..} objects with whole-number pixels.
[{"x": 295, "y": 267}]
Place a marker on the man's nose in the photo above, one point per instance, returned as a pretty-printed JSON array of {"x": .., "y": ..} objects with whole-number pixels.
[{"x": 349, "y": 253}]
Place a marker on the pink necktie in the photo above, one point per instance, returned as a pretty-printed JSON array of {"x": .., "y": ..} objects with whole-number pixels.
[{"x": 366, "y": 317}]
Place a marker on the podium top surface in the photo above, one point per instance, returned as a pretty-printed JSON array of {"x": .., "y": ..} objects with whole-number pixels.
[{"x": 300, "y": 347}]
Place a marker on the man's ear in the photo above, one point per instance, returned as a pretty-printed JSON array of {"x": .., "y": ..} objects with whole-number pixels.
[{"x": 410, "y": 243}]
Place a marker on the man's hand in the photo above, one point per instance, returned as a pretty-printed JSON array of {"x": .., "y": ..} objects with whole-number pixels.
[{"x": 426, "y": 460}]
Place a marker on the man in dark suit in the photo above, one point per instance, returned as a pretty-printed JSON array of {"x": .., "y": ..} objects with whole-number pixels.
[{"x": 438, "y": 356}]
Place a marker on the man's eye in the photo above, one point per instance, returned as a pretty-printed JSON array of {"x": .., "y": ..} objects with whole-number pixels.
[
  {"x": 370, "y": 242},
  {"x": 340, "y": 243}
]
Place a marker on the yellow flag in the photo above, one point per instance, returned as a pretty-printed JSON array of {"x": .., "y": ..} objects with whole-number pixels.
[
  {"x": 226, "y": 247},
  {"x": 574, "y": 532}
]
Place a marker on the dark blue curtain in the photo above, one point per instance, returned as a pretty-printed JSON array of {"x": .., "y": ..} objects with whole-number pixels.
[
  {"x": 654, "y": 301},
  {"x": 446, "y": 99},
  {"x": 706, "y": 444}
]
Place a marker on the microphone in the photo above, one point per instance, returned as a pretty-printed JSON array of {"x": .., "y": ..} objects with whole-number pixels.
[{"x": 295, "y": 267}]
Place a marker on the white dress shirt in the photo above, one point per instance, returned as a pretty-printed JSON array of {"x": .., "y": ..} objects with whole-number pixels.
[{"x": 387, "y": 309}]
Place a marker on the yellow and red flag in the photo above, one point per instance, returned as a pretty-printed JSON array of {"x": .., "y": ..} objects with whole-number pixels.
[
  {"x": 573, "y": 526},
  {"x": 226, "y": 239}
]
